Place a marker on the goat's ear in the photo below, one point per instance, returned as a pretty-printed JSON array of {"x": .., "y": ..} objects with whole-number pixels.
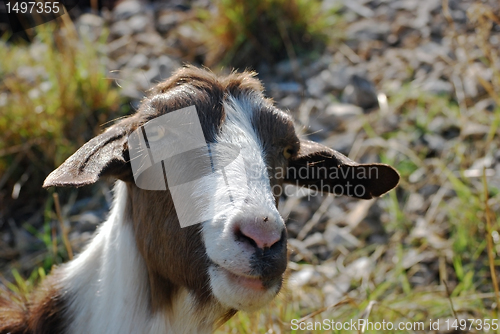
[
  {"x": 321, "y": 168},
  {"x": 104, "y": 155}
]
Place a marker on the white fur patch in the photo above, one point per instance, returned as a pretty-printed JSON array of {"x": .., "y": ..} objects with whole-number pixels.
[
  {"x": 109, "y": 285},
  {"x": 248, "y": 180}
]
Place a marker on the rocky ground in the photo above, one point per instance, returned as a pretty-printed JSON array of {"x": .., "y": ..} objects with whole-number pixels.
[{"x": 363, "y": 97}]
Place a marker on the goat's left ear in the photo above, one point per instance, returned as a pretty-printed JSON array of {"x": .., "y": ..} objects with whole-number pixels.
[
  {"x": 321, "y": 168},
  {"x": 104, "y": 155}
]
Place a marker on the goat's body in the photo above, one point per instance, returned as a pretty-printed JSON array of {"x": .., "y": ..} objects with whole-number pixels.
[
  {"x": 105, "y": 289},
  {"x": 109, "y": 287}
]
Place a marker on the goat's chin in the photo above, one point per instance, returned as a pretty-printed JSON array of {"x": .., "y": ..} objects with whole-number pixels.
[{"x": 241, "y": 292}]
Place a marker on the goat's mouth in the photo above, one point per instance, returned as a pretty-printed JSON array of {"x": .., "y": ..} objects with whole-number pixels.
[
  {"x": 256, "y": 283},
  {"x": 241, "y": 291}
]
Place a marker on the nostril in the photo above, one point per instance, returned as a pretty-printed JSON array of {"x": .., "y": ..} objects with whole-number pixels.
[
  {"x": 259, "y": 236},
  {"x": 242, "y": 237}
]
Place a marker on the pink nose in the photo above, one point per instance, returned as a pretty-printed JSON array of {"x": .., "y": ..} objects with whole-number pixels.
[{"x": 263, "y": 234}]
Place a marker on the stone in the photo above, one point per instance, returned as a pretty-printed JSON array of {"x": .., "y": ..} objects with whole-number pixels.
[
  {"x": 413, "y": 257},
  {"x": 120, "y": 29},
  {"x": 284, "y": 69},
  {"x": 415, "y": 203},
  {"x": 90, "y": 20},
  {"x": 301, "y": 277},
  {"x": 290, "y": 102},
  {"x": 167, "y": 66},
  {"x": 359, "y": 9},
  {"x": 152, "y": 42},
  {"x": 360, "y": 92},
  {"x": 316, "y": 86},
  {"x": 138, "y": 61},
  {"x": 334, "y": 117},
  {"x": 427, "y": 53},
  {"x": 126, "y": 9},
  {"x": 363, "y": 30},
  {"x": 435, "y": 142},
  {"x": 167, "y": 20},
  {"x": 118, "y": 47},
  {"x": 90, "y": 26},
  {"x": 472, "y": 87},
  {"x": 342, "y": 111},
  {"x": 485, "y": 104},
  {"x": 338, "y": 78},
  {"x": 286, "y": 87},
  {"x": 437, "y": 86},
  {"x": 332, "y": 79},
  {"x": 123, "y": 60},
  {"x": 476, "y": 130},
  {"x": 164, "y": 66},
  {"x": 139, "y": 23},
  {"x": 343, "y": 141},
  {"x": 407, "y": 5},
  {"x": 315, "y": 67},
  {"x": 361, "y": 268}
]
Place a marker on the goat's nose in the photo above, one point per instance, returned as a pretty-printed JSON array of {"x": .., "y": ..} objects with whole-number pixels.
[{"x": 263, "y": 234}]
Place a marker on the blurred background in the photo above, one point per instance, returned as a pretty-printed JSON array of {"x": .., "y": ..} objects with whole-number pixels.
[{"x": 411, "y": 83}]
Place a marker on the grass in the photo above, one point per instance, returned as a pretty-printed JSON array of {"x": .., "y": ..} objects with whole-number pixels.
[
  {"x": 55, "y": 95},
  {"x": 462, "y": 289},
  {"x": 457, "y": 227},
  {"x": 56, "y": 90},
  {"x": 241, "y": 33}
]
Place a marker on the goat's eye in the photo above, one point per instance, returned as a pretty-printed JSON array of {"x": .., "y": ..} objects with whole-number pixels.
[
  {"x": 155, "y": 133},
  {"x": 288, "y": 152}
]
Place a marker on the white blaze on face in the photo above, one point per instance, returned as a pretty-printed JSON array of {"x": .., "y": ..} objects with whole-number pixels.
[{"x": 249, "y": 181}]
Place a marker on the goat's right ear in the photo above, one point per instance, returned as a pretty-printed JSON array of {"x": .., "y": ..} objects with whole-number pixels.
[
  {"x": 319, "y": 167},
  {"x": 104, "y": 155}
]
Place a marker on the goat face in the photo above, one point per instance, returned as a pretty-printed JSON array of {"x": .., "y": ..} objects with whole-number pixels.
[{"x": 238, "y": 256}]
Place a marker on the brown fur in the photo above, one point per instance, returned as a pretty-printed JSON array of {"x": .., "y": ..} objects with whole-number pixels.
[
  {"x": 175, "y": 257},
  {"x": 42, "y": 314}
]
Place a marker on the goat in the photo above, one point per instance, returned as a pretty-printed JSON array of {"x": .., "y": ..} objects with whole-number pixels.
[{"x": 144, "y": 273}]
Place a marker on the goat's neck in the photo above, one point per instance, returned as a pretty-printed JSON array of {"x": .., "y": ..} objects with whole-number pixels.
[{"x": 108, "y": 287}]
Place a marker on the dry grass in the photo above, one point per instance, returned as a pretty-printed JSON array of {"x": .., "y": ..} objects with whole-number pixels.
[
  {"x": 54, "y": 96},
  {"x": 440, "y": 257},
  {"x": 234, "y": 34}
]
